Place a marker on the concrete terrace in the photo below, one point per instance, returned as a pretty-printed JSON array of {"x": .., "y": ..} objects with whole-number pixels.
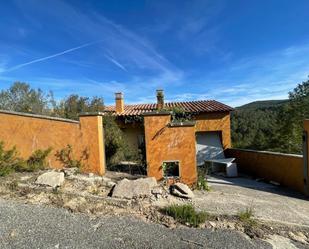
[{"x": 269, "y": 202}]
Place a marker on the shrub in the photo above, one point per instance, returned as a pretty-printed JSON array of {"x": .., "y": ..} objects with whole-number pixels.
[
  {"x": 246, "y": 216},
  {"x": 186, "y": 214},
  {"x": 9, "y": 160},
  {"x": 170, "y": 169},
  {"x": 116, "y": 145},
  {"x": 202, "y": 184},
  {"x": 65, "y": 156},
  {"x": 37, "y": 161},
  {"x": 179, "y": 114}
]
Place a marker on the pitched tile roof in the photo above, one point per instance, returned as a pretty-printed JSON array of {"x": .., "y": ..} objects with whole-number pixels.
[{"x": 201, "y": 106}]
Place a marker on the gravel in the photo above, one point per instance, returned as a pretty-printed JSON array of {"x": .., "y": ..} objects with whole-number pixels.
[{"x": 35, "y": 226}]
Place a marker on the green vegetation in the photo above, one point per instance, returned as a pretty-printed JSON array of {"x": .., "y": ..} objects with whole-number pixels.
[
  {"x": 186, "y": 214},
  {"x": 20, "y": 97},
  {"x": 202, "y": 183},
  {"x": 246, "y": 217},
  {"x": 263, "y": 104},
  {"x": 73, "y": 105},
  {"x": 170, "y": 169},
  {"x": 178, "y": 114},
  {"x": 246, "y": 214},
  {"x": 272, "y": 125},
  {"x": 116, "y": 145},
  {"x": 66, "y": 157},
  {"x": 37, "y": 161},
  {"x": 11, "y": 162}
]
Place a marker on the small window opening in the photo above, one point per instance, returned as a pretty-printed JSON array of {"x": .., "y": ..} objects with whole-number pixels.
[{"x": 170, "y": 169}]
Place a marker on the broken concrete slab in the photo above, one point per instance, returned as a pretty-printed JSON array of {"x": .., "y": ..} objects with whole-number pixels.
[
  {"x": 134, "y": 188},
  {"x": 53, "y": 179},
  {"x": 182, "y": 190}
]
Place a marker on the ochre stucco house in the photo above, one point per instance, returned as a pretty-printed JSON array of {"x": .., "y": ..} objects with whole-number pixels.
[{"x": 167, "y": 141}]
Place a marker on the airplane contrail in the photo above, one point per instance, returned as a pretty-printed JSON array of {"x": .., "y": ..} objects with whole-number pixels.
[
  {"x": 51, "y": 56},
  {"x": 118, "y": 64}
]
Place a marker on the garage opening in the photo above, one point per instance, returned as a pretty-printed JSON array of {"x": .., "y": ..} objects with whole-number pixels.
[{"x": 208, "y": 146}]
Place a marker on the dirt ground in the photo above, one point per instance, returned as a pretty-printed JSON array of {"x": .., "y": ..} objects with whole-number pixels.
[{"x": 276, "y": 211}]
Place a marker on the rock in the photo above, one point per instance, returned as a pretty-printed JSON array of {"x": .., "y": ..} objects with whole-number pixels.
[
  {"x": 85, "y": 178},
  {"x": 110, "y": 184},
  {"x": 25, "y": 178},
  {"x": 106, "y": 179},
  {"x": 69, "y": 171},
  {"x": 52, "y": 179},
  {"x": 182, "y": 190},
  {"x": 134, "y": 188},
  {"x": 300, "y": 237}
]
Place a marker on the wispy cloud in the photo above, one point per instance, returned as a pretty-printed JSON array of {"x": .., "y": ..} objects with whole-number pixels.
[
  {"x": 261, "y": 77},
  {"x": 127, "y": 50},
  {"x": 50, "y": 56}
]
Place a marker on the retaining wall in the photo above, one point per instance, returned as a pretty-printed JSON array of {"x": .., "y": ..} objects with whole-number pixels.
[{"x": 32, "y": 132}]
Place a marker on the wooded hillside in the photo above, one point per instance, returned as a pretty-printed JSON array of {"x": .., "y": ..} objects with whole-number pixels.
[{"x": 273, "y": 125}]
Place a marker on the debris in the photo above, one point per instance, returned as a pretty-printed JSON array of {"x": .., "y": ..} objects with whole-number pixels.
[
  {"x": 260, "y": 179},
  {"x": 157, "y": 192},
  {"x": 25, "y": 178},
  {"x": 212, "y": 224},
  {"x": 53, "y": 179},
  {"x": 182, "y": 190},
  {"x": 274, "y": 183},
  {"x": 75, "y": 204},
  {"x": 134, "y": 188}
]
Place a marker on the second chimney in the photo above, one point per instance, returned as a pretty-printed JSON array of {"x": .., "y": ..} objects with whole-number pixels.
[
  {"x": 119, "y": 102},
  {"x": 160, "y": 99}
]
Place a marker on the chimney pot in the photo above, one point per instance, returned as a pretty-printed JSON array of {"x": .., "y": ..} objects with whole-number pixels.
[
  {"x": 119, "y": 102},
  {"x": 160, "y": 99}
]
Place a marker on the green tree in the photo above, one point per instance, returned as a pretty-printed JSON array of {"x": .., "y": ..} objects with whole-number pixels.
[
  {"x": 116, "y": 145},
  {"x": 292, "y": 116},
  {"x": 73, "y": 105},
  {"x": 21, "y": 97}
]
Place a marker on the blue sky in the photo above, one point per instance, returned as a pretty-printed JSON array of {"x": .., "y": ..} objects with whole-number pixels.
[{"x": 232, "y": 51}]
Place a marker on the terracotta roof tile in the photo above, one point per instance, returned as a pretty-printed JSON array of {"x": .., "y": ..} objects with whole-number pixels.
[{"x": 201, "y": 106}]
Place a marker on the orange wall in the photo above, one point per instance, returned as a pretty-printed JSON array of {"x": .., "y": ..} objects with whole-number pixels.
[
  {"x": 282, "y": 168},
  {"x": 164, "y": 143},
  {"x": 31, "y": 132},
  {"x": 216, "y": 122}
]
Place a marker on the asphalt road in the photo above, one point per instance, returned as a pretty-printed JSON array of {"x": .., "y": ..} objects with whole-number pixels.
[{"x": 33, "y": 226}]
